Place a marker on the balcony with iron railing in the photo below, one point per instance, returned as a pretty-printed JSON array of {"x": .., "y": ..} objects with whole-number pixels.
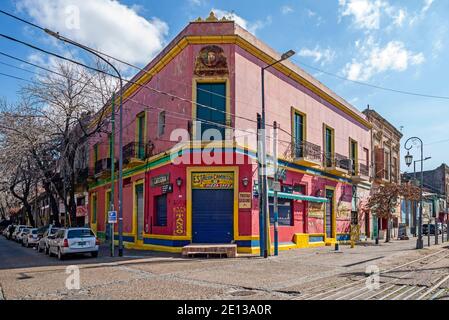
[
  {"x": 135, "y": 153},
  {"x": 337, "y": 164},
  {"x": 307, "y": 154},
  {"x": 361, "y": 174},
  {"x": 102, "y": 168}
]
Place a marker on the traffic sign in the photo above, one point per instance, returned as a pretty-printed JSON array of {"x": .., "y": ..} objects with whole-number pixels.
[{"x": 112, "y": 217}]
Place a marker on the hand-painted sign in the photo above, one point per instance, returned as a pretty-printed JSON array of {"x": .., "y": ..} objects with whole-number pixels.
[
  {"x": 213, "y": 180},
  {"x": 245, "y": 200},
  {"x": 179, "y": 218},
  {"x": 168, "y": 188},
  {"x": 160, "y": 180}
]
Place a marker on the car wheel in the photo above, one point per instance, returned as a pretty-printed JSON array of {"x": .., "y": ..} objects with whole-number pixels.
[
  {"x": 50, "y": 254},
  {"x": 60, "y": 255},
  {"x": 23, "y": 244},
  {"x": 47, "y": 250},
  {"x": 39, "y": 249},
  {"x": 94, "y": 254}
]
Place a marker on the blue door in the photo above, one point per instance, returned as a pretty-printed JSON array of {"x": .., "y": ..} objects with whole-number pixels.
[{"x": 212, "y": 216}]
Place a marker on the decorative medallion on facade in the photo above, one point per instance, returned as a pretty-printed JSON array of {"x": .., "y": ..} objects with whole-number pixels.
[{"x": 211, "y": 61}]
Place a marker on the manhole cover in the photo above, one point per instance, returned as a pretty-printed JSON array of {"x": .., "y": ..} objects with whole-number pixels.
[{"x": 243, "y": 293}]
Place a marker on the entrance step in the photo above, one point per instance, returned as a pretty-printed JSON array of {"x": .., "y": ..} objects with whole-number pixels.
[{"x": 198, "y": 249}]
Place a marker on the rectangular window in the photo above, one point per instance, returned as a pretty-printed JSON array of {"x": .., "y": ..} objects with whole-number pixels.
[
  {"x": 161, "y": 210},
  {"x": 95, "y": 153},
  {"x": 366, "y": 153},
  {"x": 328, "y": 145},
  {"x": 353, "y": 156},
  {"x": 394, "y": 170},
  {"x": 285, "y": 216},
  {"x": 94, "y": 208},
  {"x": 299, "y": 129},
  {"x": 140, "y": 148},
  {"x": 108, "y": 203},
  {"x": 161, "y": 124},
  {"x": 211, "y": 111},
  {"x": 387, "y": 167}
]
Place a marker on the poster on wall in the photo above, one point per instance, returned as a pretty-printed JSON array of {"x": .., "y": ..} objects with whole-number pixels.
[
  {"x": 212, "y": 180},
  {"x": 245, "y": 200}
]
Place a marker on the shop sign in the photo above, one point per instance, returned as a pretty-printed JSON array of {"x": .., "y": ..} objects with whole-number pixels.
[
  {"x": 245, "y": 200},
  {"x": 160, "y": 180},
  {"x": 168, "y": 188},
  {"x": 212, "y": 180}
]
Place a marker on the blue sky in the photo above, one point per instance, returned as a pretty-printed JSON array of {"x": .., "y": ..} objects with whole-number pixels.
[{"x": 396, "y": 44}]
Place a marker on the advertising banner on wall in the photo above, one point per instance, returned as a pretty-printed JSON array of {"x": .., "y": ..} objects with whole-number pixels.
[{"x": 212, "y": 180}]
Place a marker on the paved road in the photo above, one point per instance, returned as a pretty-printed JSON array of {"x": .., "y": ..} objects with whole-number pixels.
[
  {"x": 14, "y": 256},
  {"x": 296, "y": 274}
]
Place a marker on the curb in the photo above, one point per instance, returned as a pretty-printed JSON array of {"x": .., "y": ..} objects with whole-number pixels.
[{"x": 2, "y": 297}]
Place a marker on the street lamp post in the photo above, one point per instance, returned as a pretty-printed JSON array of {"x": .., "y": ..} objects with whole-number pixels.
[
  {"x": 414, "y": 179},
  {"x": 263, "y": 158},
  {"x": 408, "y": 161},
  {"x": 120, "y": 183}
]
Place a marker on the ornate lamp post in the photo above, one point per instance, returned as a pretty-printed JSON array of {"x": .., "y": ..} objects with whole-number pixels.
[{"x": 408, "y": 162}]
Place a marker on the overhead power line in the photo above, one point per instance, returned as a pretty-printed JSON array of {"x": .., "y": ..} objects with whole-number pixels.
[{"x": 295, "y": 59}]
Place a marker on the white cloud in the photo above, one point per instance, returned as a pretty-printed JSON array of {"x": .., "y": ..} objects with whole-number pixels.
[
  {"x": 286, "y": 9},
  {"x": 367, "y": 14},
  {"x": 106, "y": 25},
  {"x": 399, "y": 18},
  {"x": 313, "y": 15},
  {"x": 319, "y": 55},
  {"x": 427, "y": 5},
  {"x": 375, "y": 59},
  {"x": 250, "y": 26},
  {"x": 196, "y": 2}
]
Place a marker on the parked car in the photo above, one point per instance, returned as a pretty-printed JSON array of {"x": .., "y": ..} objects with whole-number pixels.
[
  {"x": 46, "y": 236},
  {"x": 22, "y": 234},
  {"x": 31, "y": 238},
  {"x": 16, "y": 232},
  {"x": 8, "y": 232},
  {"x": 441, "y": 228},
  {"x": 73, "y": 241}
]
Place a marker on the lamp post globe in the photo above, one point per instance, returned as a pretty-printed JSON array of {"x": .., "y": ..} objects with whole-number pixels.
[{"x": 408, "y": 159}]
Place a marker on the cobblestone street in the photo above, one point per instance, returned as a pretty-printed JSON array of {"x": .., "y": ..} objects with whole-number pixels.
[{"x": 318, "y": 273}]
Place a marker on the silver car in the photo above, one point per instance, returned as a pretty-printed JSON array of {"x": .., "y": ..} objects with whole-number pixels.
[
  {"x": 16, "y": 232},
  {"x": 72, "y": 241},
  {"x": 31, "y": 238},
  {"x": 47, "y": 235},
  {"x": 22, "y": 233}
]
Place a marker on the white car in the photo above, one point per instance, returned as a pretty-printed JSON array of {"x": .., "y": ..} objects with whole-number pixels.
[
  {"x": 43, "y": 241},
  {"x": 17, "y": 231},
  {"x": 73, "y": 241},
  {"x": 31, "y": 238}
]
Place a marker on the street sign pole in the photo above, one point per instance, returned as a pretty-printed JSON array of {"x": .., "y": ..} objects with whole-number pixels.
[{"x": 275, "y": 198}]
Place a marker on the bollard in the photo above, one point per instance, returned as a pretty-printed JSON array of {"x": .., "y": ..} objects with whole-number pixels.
[
  {"x": 352, "y": 244},
  {"x": 337, "y": 247}
]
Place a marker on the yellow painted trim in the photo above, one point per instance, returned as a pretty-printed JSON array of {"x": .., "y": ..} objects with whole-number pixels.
[
  {"x": 134, "y": 229},
  {"x": 195, "y": 82},
  {"x": 233, "y": 169},
  {"x": 356, "y": 156},
  {"x": 92, "y": 224},
  {"x": 178, "y": 47},
  {"x": 334, "y": 216},
  {"x": 143, "y": 115},
  {"x": 106, "y": 206},
  {"x": 294, "y": 112},
  {"x": 325, "y": 126}
]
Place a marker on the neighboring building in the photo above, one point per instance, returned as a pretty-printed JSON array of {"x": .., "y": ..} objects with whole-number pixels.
[
  {"x": 207, "y": 81},
  {"x": 436, "y": 186},
  {"x": 385, "y": 155}
]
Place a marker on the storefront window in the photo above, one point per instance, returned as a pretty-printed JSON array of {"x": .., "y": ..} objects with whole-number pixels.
[
  {"x": 284, "y": 212},
  {"x": 161, "y": 210}
]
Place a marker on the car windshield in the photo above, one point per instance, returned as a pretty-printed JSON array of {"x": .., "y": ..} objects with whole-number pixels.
[
  {"x": 34, "y": 231},
  {"x": 80, "y": 233},
  {"x": 54, "y": 230}
]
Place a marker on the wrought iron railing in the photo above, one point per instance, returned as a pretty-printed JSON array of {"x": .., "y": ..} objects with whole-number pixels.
[
  {"x": 308, "y": 150},
  {"x": 337, "y": 161},
  {"x": 102, "y": 165},
  {"x": 137, "y": 150},
  {"x": 363, "y": 170}
]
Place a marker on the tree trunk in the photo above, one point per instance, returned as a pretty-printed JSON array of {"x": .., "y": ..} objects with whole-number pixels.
[
  {"x": 29, "y": 213},
  {"x": 388, "y": 230},
  {"x": 54, "y": 216}
]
